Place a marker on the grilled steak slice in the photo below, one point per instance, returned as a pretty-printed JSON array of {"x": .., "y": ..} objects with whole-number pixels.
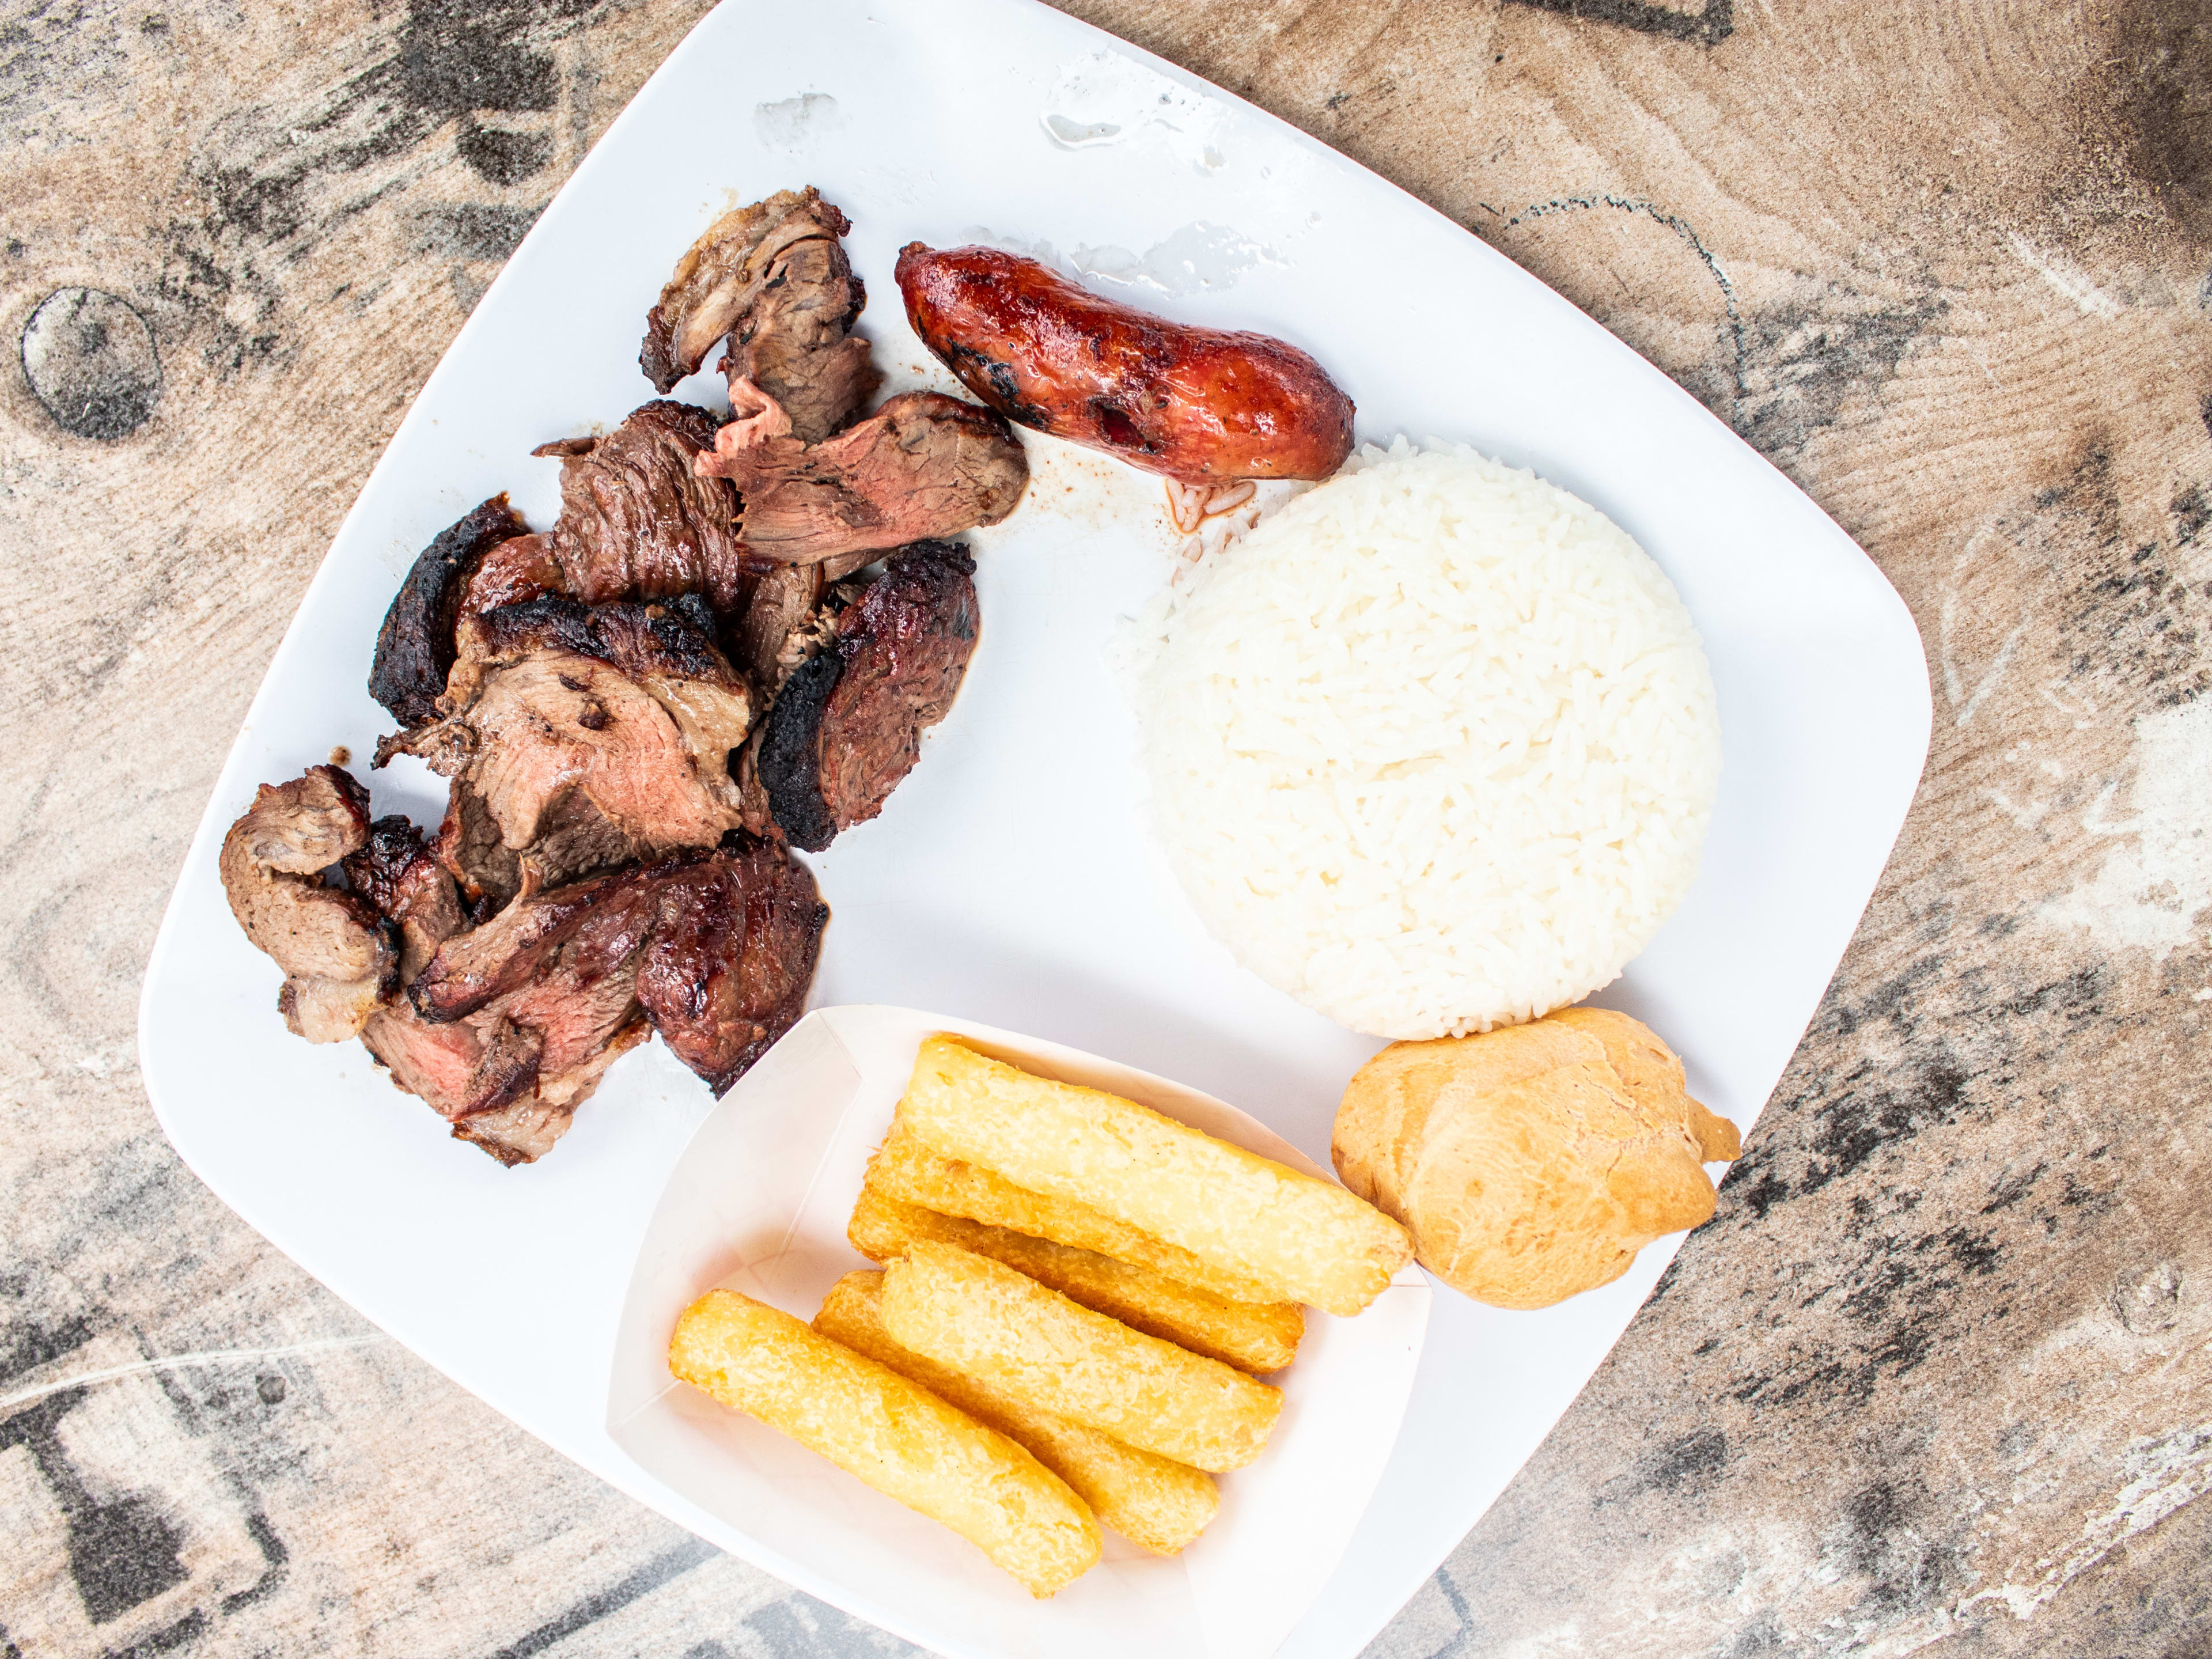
[
  {"x": 732, "y": 953},
  {"x": 923, "y": 465},
  {"x": 585, "y": 735},
  {"x": 604, "y": 919},
  {"x": 336, "y": 952},
  {"x": 637, "y": 519},
  {"x": 774, "y": 278},
  {"x": 847, "y": 725},
  {"x": 414, "y": 646},
  {"x": 396, "y": 873},
  {"x": 718, "y": 948},
  {"x": 520, "y": 568}
]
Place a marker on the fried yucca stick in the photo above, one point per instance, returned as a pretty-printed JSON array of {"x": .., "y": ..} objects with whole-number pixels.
[
  {"x": 1150, "y": 1500},
  {"x": 906, "y": 1168},
  {"x": 1306, "y": 1240},
  {"x": 896, "y": 1436},
  {"x": 982, "y": 1317},
  {"x": 1252, "y": 1336}
]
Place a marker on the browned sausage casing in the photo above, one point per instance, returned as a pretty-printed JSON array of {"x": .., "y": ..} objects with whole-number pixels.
[{"x": 1191, "y": 403}]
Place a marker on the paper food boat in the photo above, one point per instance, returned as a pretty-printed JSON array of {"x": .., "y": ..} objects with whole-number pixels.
[{"x": 758, "y": 1203}]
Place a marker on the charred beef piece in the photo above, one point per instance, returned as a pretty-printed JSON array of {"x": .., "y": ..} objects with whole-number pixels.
[
  {"x": 732, "y": 953},
  {"x": 847, "y": 725},
  {"x": 580, "y": 736},
  {"x": 414, "y": 646},
  {"x": 718, "y": 948},
  {"x": 774, "y": 278},
  {"x": 337, "y": 951},
  {"x": 923, "y": 465},
  {"x": 396, "y": 871},
  {"x": 638, "y": 520}
]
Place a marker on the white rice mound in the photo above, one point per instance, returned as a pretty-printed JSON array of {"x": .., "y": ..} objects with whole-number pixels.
[{"x": 1433, "y": 748}]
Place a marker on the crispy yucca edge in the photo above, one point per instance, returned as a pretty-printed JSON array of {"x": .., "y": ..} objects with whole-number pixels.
[
  {"x": 907, "y": 1168},
  {"x": 1308, "y": 1240},
  {"x": 982, "y": 1318},
  {"x": 891, "y": 1432},
  {"x": 1153, "y": 1501},
  {"x": 1253, "y": 1336}
]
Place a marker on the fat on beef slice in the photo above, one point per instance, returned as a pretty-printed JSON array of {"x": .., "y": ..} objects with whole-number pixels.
[
  {"x": 508, "y": 573},
  {"x": 414, "y": 646},
  {"x": 922, "y": 466},
  {"x": 773, "y": 279},
  {"x": 848, "y": 725},
  {"x": 277, "y": 863},
  {"x": 638, "y": 519},
  {"x": 580, "y": 737}
]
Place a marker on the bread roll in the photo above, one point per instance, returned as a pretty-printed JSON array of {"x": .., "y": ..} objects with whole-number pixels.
[{"x": 1533, "y": 1162}]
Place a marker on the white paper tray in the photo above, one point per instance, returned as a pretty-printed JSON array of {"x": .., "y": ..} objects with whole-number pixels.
[
  {"x": 758, "y": 1203},
  {"x": 1011, "y": 878}
]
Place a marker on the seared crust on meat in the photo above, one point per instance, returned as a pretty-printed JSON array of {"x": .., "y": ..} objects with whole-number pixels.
[
  {"x": 774, "y": 278},
  {"x": 414, "y": 646},
  {"x": 642, "y": 640},
  {"x": 847, "y": 725},
  {"x": 789, "y": 758},
  {"x": 637, "y": 520},
  {"x": 1194, "y": 404},
  {"x": 923, "y": 465}
]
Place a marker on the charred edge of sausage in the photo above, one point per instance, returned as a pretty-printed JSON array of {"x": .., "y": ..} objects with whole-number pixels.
[
  {"x": 993, "y": 381},
  {"x": 414, "y": 643},
  {"x": 790, "y": 760}
]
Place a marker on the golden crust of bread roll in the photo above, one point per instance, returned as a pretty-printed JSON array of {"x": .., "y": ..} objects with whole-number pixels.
[
  {"x": 1533, "y": 1162},
  {"x": 1252, "y": 1336},
  {"x": 1152, "y": 1501},
  {"x": 892, "y": 1433},
  {"x": 1305, "y": 1240},
  {"x": 982, "y": 1317},
  {"x": 906, "y": 1168}
]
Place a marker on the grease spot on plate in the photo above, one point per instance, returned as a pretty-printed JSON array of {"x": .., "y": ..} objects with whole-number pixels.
[{"x": 789, "y": 122}]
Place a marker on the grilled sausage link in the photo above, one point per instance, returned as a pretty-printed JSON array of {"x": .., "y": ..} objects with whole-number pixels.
[{"x": 1193, "y": 404}]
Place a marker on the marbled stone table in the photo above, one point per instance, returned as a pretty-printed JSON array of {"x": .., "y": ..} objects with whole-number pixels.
[{"x": 1939, "y": 1375}]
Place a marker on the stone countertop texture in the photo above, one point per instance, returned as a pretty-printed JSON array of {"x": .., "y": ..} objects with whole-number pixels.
[{"x": 1937, "y": 1377}]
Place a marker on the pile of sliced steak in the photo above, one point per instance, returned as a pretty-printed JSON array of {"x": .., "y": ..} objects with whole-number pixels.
[{"x": 730, "y": 643}]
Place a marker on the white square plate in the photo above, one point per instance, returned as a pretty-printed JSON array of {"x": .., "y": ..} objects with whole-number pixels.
[
  {"x": 759, "y": 1204},
  {"x": 1010, "y": 880}
]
